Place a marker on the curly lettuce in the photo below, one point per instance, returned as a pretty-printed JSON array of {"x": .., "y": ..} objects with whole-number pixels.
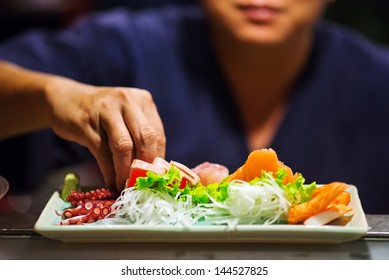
[{"x": 295, "y": 192}]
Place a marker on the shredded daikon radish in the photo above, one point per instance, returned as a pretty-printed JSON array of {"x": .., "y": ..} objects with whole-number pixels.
[
  {"x": 148, "y": 207},
  {"x": 260, "y": 203}
]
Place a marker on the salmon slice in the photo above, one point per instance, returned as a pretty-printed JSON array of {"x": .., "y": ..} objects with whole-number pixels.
[{"x": 259, "y": 161}]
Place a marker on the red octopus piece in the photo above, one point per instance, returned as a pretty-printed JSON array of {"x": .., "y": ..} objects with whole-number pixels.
[
  {"x": 77, "y": 220},
  {"x": 76, "y": 197},
  {"x": 86, "y": 207},
  {"x": 86, "y": 212}
]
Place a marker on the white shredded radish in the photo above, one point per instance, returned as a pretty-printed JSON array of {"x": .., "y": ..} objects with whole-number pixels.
[
  {"x": 259, "y": 203},
  {"x": 262, "y": 202},
  {"x": 150, "y": 207}
]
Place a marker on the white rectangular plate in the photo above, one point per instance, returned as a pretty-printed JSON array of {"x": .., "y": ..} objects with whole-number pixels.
[{"x": 47, "y": 225}]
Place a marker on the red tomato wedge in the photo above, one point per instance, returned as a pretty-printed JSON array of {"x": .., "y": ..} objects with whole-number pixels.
[{"x": 139, "y": 168}]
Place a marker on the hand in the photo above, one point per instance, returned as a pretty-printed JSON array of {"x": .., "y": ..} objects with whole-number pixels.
[{"x": 115, "y": 124}]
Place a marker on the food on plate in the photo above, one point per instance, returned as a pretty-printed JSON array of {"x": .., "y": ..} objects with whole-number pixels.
[
  {"x": 328, "y": 201},
  {"x": 188, "y": 177},
  {"x": 139, "y": 168},
  {"x": 84, "y": 206},
  {"x": 263, "y": 190},
  {"x": 71, "y": 182},
  {"x": 86, "y": 212},
  {"x": 210, "y": 173},
  {"x": 262, "y": 160},
  {"x": 76, "y": 197},
  {"x": 88, "y": 206}
]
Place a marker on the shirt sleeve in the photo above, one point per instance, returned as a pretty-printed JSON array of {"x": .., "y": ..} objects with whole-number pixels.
[
  {"x": 95, "y": 50},
  {"x": 91, "y": 51}
]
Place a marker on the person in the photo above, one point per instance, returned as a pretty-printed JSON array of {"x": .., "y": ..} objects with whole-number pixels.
[{"x": 207, "y": 82}]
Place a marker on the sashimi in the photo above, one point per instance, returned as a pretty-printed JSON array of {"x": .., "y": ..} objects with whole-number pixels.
[
  {"x": 188, "y": 176},
  {"x": 259, "y": 161},
  {"x": 210, "y": 173},
  {"x": 139, "y": 168},
  {"x": 162, "y": 163}
]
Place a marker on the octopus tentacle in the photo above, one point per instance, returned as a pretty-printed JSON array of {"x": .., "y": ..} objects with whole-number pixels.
[
  {"x": 86, "y": 212},
  {"x": 76, "y": 197}
]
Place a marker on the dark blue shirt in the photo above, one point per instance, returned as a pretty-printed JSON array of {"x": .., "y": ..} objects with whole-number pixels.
[{"x": 335, "y": 127}]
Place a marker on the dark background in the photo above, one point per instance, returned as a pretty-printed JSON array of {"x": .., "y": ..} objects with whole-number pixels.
[{"x": 367, "y": 16}]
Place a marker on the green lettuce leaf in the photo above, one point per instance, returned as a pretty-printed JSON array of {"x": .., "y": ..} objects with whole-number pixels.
[
  {"x": 168, "y": 182},
  {"x": 201, "y": 194},
  {"x": 296, "y": 192}
]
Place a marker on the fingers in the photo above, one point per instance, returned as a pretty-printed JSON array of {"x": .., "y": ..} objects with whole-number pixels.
[
  {"x": 96, "y": 140},
  {"x": 145, "y": 127},
  {"x": 121, "y": 146},
  {"x": 152, "y": 115},
  {"x": 103, "y": 157},
  {"x": 124, "y": 125},
  {"x": 133, "y": 131}
]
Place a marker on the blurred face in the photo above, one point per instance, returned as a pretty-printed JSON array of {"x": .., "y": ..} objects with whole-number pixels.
[{"x": 264, "y": 21}]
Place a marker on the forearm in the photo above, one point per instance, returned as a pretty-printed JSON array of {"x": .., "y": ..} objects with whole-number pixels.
[
  {"x": 23, "y": 103},
  {"x": 116, "y": 124}
]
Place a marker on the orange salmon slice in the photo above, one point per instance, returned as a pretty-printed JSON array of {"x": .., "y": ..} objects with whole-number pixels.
[{"x": 259, "y": 161}]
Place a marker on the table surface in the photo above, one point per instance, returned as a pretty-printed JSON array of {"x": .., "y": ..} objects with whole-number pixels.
[{"x": 19, "y": 241}]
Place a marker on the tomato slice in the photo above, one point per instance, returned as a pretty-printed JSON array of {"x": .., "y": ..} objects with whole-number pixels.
[{"x": 139, "y": 168}]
